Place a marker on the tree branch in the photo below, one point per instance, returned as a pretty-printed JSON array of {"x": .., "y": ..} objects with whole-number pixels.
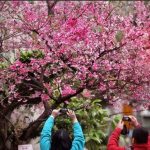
[
  {"x": 50, "y": 6},
  {"x": 28, "y": 132},
  {"x": 109, "y": 51},
  {"x": 15, "y": 104},
  {"x": 62, "y": 99}
]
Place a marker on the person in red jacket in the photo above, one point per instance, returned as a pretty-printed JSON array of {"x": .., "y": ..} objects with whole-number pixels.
[{"x": 140, "y": 139}]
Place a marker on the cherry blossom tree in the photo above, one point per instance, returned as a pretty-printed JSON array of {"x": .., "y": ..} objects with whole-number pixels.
[{"x": 67, "y": 49}]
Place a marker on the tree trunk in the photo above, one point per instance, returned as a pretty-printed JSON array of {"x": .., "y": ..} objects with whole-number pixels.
[{"x": 3, "y": 134}]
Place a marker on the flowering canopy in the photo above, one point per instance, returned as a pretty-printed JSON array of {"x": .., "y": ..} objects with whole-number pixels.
[{"x": 64, "y": 48}]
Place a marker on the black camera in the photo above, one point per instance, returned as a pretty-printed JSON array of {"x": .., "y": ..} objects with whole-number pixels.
[
  {"x": 125, "y": 129},
  {"x": 63, "y": 110},
  {"x": 126, "y": 118}
]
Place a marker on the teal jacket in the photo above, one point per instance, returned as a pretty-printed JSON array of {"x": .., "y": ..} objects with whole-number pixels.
[{"x": 45, "y": 139}]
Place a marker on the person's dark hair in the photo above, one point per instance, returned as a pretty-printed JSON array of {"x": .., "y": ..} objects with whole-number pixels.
[
  {"x": 61, "y": 140},
  {"x": 140, "y": 135}
]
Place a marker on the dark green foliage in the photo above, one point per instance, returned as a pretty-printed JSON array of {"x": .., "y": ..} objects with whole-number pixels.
[
  {"x": 3, "y": 65},
  {"x": 93, "y": 119},
  {"x": 25, "y": 56}
]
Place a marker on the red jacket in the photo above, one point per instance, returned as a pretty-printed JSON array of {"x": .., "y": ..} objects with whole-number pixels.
[{"x": 114, "y": 138}]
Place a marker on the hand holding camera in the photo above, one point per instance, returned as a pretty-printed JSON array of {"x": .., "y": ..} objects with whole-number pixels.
[
  {"x": 128, "y": 121},
  {"x": 70, "y": 113},
  {"x": 126, "y": 118},
  {"x": 134, "y": 121},
  {"x": 63, "y": 110},
  {"x": 126, "y": 124},
  {"x": 55, "y": 112}
]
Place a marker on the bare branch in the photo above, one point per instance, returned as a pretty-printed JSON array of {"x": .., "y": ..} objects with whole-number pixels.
[
  {"x": 1, "y": 44},
  {"x": 109, "y": 51},
  {"x": 50, "y": 6},
  {"x": 62, "y": 99}
]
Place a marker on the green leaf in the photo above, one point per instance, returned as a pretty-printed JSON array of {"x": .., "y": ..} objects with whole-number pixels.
[
  {"x": 56, "y": 93},
  {"x": 97, "y": 29},
  {"x": 31, "y": 1},
  {"x": 96, "y": 101},
  {"x": 3, "y": 65},
  {"x": 119, "y": 36}
]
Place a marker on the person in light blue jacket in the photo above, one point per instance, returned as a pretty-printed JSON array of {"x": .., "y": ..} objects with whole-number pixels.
[{"x": 60, "y": 140}]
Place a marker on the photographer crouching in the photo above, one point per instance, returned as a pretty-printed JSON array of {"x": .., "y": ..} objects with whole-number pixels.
[
  {"x": 140, "y": 138},
  {"x": 61, "y": 140}
]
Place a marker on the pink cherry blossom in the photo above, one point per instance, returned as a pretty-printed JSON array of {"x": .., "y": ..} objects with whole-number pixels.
[{"x": 67, "y": 90}]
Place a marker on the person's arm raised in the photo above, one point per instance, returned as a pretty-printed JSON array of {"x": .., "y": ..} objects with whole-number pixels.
[
  {"x": 114, "y": 138},
  {"x": 45, "y": 138},
  {"x": 78, "y": 141}
]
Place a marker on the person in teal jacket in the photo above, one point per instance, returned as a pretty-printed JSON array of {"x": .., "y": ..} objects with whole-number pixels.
[{"x": 60, "y": 140}]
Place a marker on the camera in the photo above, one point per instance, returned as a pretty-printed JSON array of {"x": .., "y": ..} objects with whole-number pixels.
[
  {"x": 125, "y": 130},
  {"x": 126, "y": 125},
  {"x": 63, "y": 110},
  {"x": 126, "y": 118}
]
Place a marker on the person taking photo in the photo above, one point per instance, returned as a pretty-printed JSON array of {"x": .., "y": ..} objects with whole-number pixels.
[
  {"x": 60, "y": 140},
  {"x": 140, "y": 137}
]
